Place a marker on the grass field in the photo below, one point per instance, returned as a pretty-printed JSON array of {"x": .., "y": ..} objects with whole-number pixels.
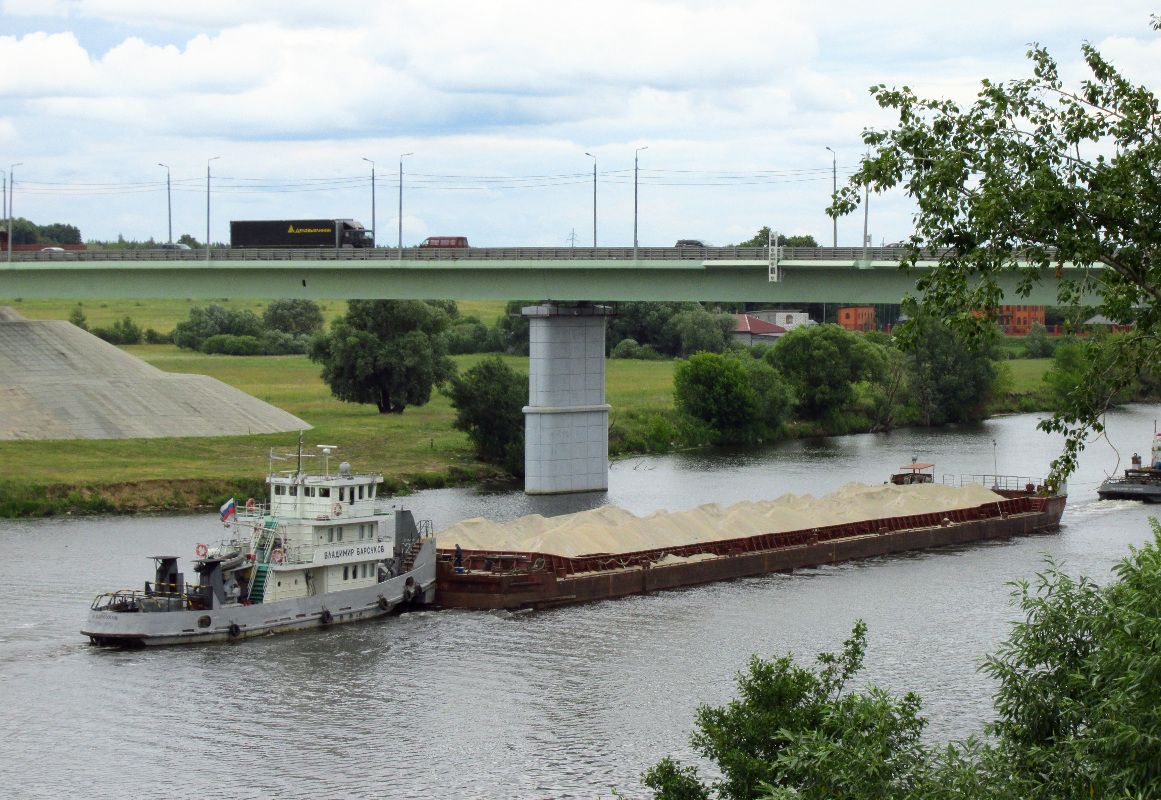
[
  {"x": 1028, "y": 374},
  {"x": 163, "y": 315},
  {"x": 420, "y": 440}
]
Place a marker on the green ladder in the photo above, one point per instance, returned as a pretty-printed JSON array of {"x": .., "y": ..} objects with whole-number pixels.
[{"x": 258, "y": 587}]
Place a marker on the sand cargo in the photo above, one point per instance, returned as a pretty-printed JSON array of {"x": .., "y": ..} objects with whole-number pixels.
[{"x": 537, "y": 562}]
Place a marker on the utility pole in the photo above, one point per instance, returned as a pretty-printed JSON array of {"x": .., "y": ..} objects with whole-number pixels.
[
  {"x": 635, "y": 152},
  {"x": 594, "y": 158},
  {"x": 208, "y": 206},
  {"x": 401, "y": 157},
  {"x": 866, "y": 215},
  {"x": 169, "y": 200},
  {"x": 374, "y": 228},
  {"x": 11, "y": 202},
  {"x": 834, "y": 190}
]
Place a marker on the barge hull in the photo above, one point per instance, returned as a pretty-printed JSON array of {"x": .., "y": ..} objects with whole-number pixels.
[{"x": 553, "y": 585}]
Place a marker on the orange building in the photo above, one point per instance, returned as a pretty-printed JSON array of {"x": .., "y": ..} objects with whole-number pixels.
[
  {"x": 857, "y": 318},
  {"x": 1016, "y": 320}
]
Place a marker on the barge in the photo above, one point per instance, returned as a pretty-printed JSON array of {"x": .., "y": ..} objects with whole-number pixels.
[{"x": 490, "y": 579}]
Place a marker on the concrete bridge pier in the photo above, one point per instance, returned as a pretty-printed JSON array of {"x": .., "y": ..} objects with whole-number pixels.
[{"x": 566, "y": 421}]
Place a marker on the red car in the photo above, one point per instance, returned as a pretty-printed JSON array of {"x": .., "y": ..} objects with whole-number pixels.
[{"x": 445, "y": 241}]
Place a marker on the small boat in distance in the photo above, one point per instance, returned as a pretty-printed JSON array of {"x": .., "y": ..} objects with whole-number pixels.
[
  {"x": 1138, "y": 482},
  {"x": 324, "y": 550}
]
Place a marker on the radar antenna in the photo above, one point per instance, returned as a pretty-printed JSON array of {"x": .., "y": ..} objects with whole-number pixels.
[{"x": 327, "y": 449}]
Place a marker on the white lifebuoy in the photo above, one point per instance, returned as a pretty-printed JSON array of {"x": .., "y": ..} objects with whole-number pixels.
[
  {"x": 251, "y": 505},
  {"x": 276, "y": 556},
  {"x": 201, "y": 550},
  {"x": 338, "y": 509}
]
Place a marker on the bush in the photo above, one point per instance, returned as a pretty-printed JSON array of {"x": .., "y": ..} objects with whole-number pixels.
[
  {"x": 626, "y": 348},
  {"x": 278, "y": 343},
  {"x": 294, "y": 317},
  {"x": 77, "y": 317},
  {"x": 212, "y": 321},
  {"x": 153, "y": 337},
  {"x": 229, "y": 345},
  {"x": 124, "y": 331}
]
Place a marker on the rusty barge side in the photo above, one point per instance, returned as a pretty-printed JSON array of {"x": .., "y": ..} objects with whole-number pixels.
[{"x": 508, "y": 580}]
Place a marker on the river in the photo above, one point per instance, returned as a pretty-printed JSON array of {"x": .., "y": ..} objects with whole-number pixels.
[{"x": 571, "y": 702}]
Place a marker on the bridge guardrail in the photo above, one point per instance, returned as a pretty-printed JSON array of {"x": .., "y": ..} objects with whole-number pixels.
[{"x": 428, "y": 254}]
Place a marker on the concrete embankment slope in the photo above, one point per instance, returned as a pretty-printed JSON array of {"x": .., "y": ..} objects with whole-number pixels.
[{"x": 60, "y": 382}]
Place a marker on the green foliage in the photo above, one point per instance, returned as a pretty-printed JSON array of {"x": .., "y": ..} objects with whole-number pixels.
[
  {"x": 1076, "y": 712},
  {"x": 214, "y": 321},
  {"x": 1036, "y": 342},
  {"x": 230, "y": 345},
  {"x": 123, "y": 331},
  {"x": 717, "y": 390},
  {"x": 489, "y": 400},
  {"x": 387, "y": 352},
  {"x": 296, "y": 317},
  {"x": 154, "y": 337},
  {"x": 1033, "y": 175},
  {"x": 77, "y": 317},
  {"x": 628, "y": 348},
  {"x": 470, "y": 335},
  {"x": 697, "y": 330},
  {"x": 513, "y": 327},
  {"x": 822, "y": 364},
  {"x": 947, "y": 380},
  {"x": 185, "y": 238},
  {"x": 762, "y": 238}
]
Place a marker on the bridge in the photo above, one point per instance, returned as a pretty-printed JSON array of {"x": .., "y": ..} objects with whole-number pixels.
[
  {"x": 566, "y": 421},
  {"x": 798, "y": 275}
]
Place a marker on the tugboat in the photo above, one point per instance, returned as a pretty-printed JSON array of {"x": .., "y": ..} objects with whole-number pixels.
[
  {"x": 1138, "y": 483},
  {"x": 324, "y": 550}
]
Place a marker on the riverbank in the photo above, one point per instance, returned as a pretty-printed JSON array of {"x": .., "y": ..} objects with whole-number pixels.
[{"x": 418, "y": 449}]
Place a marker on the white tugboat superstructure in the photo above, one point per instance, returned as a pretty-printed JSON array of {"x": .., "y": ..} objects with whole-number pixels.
[{"x": 325, "y": 549}]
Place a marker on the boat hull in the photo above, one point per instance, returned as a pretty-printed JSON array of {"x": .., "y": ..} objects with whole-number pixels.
[
  {"x": 1126, "y": 490},
  {"x": 547, "y": 581},
  {"x": 237, "y": 622}
]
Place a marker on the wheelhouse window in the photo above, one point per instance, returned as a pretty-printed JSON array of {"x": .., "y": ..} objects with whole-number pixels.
[
  {"x": 342, "y": 492},
  {"x": 330, "y": 534},
  {"x": 324, "y": 491},
  {"x": 279, "y": 488},
  {"x": 293, "y": 491}
]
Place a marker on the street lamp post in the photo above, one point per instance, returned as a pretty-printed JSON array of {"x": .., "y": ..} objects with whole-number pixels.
[
  {"x": 594, "y": 158},
  {"x": 169, "y": 200},
  {"x": 11, "y": 202},
  {"x": 834, "y": 190},
  {"x": 635, "y": 152},
  {"x": 373, "y": 226},
  {"x": 401, "y": 157},
  {"x": 208, "y": 205}
]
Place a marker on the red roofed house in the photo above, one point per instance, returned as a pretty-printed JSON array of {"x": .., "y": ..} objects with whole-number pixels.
[{"x": 750, "y": 330}]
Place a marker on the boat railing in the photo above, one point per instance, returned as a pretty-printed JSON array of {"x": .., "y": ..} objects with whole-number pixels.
[
  {"x": 135, "y": 599},
  {"x": 1011, "y": 483}
]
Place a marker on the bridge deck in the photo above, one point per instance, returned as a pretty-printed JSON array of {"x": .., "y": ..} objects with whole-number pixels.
[{"x": 562, "y": 274}]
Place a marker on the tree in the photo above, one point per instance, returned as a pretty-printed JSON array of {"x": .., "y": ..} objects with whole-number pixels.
[
  {"x": 1076, "y": 711},
  {"x": 60, "y": 233},
  {"x": 185, "y": 238},
  {"x": 77, "y": 317},
  {"x": 698, "y": 330},
  {"x": 1033, "y": 175},
  {"x": 762, "y": 238},
  {"x": 717, "y": 391},
  {"x": 489, "y": 400},
  {"x": 387, "y": 352},
  {"x": 1036, "y": 342},
  {"x": 822, "y": 364},
  {"x": 948, "y": 381},
  {"x": 296, "y": 317}
]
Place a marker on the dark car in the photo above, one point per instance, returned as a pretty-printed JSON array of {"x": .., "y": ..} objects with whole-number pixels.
[{"x": 690, "y": 243}]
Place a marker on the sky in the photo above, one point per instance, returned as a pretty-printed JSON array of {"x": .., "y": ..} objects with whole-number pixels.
[{"x": 728, "y": 108}]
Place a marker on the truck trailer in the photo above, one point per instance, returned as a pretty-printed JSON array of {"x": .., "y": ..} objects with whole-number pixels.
[{"x": 298, "y": 233}]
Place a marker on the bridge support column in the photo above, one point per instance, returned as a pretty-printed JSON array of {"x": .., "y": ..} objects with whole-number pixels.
[{"x": 566, "y": 421}]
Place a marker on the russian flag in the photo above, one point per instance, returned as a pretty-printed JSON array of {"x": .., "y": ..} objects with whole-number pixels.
[{"x": 227, "y": 509}]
